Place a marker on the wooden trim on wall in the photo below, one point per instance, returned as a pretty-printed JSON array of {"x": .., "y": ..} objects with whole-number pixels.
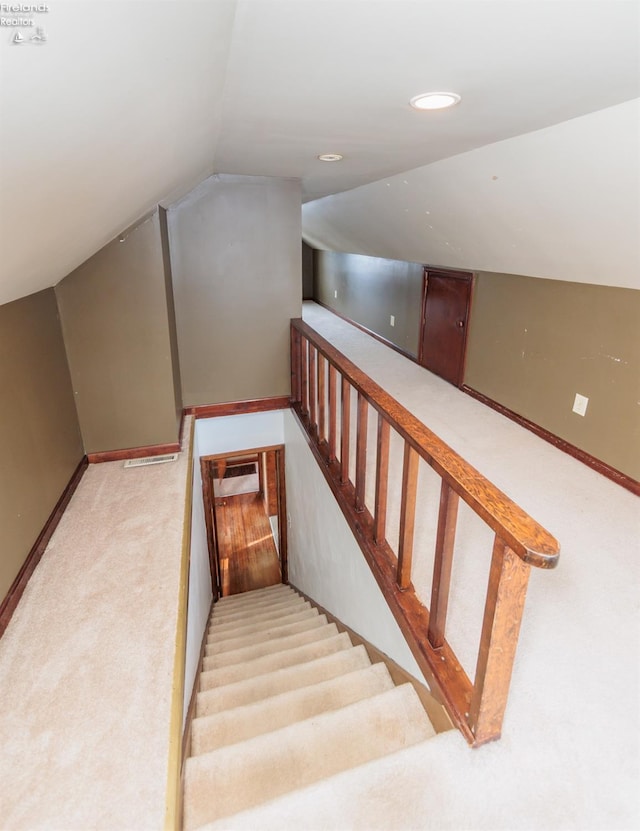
[
  {"x": 373, "y": 334},
  {"x": 254, "y": 405},
  {"x": 133, "y": 453},
  {"x": 10, "y": 602},
  {"x": 581, "y": 455},
  {"x": 173, "y": 793}
]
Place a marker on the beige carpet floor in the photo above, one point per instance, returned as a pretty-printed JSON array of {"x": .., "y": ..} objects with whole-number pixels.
[{"x": 86, "y": 662}]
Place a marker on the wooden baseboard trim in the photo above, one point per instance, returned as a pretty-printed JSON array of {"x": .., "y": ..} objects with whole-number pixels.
[
  {"x": 255, "y": 405},
  {"x": 10, "y": 602},
  {"x": 370, "y": 332},
  {"x": 133, "y": 453},
  {"x": 436, "y": 712},
  {"x": 599, "y": 466}
]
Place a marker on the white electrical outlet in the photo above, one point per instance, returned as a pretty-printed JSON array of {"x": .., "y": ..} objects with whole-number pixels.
[
  {"x": 392, "y": 320},
  {"x": 580, "y": 404},
  {"x": 335, "y": 293}
]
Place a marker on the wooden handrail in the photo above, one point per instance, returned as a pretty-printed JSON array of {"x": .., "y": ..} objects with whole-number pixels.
[
  {"x": 530, "y": 541},
  {"x": 320, "y": 376}
]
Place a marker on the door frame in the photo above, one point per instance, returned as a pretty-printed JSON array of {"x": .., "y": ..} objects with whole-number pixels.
[
  {"x": 207, "y": 468},
  {"x": 466, "y": 276}
]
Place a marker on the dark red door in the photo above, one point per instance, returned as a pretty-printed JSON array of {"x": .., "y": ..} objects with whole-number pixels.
[{"x": 447, "y": 300}]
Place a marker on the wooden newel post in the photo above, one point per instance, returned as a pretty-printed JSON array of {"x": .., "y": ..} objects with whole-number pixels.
[{"x": 506, "y": 595}]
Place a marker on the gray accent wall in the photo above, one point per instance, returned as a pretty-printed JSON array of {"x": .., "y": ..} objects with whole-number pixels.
[
  {"x": 236, "y": 264},
  {"x": 40, "y": 441},
  {"x": 369, "y": 290},
  {"x": 307, "y": 271},
  {"x": 115, "y": 319}
]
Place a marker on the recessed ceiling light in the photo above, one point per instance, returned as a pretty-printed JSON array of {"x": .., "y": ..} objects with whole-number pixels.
[
  {"x": 330, "y": 157},
  {"x": 434, "y": 100}
]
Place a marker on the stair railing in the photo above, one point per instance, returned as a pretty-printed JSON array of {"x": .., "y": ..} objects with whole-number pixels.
[{"x": 323, "y": 380}]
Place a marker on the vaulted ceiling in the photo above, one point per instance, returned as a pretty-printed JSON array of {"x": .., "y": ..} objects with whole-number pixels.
[{"x": 127, "y": 104}]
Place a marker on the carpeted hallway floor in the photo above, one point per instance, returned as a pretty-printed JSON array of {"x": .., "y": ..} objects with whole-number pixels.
[{"x": 86, "y": 662}]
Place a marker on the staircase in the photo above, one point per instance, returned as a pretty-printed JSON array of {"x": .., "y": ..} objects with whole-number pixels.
[{"x": 284, "y": 701}]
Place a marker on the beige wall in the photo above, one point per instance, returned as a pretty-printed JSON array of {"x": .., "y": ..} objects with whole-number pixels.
[
  {"x": 40, "y": 442},
  {"x": 236, "y": 264},
  {"x": 115, "y": 320},
  {"x": 369, "y": 290},
  {"x": 533, "y": 344}
]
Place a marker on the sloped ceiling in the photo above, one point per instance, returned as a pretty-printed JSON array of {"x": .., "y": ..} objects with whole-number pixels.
[
  {"x": 561, "y": 203},
  {"x": 128, "y": 103}
]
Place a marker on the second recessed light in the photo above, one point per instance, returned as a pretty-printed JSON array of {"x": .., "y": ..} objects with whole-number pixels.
[
  {"x": 330, "y": 157},
  {"x": 434, "y": 100}
]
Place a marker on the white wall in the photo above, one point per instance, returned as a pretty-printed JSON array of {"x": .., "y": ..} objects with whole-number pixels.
[
  {"x": 325, "y": 562},
  {"x": 200, "y": 592},
  {"x": 561, "y": 203},
  {"x": 215, "y": 435},
  {"x": 240, "y": 432}
]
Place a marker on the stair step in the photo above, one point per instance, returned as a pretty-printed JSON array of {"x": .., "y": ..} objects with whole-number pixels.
[
  {"x": 249, "y": 653},
  {"x": 249, "y": 690},
  {"x": 236, "y": 630},
  {"x": 248, "y": 773},
  {"x": 263, "y": 611},
  {"x": 249, "y": 720},
  {"x": 268, "y": 663},
  {"x": 254, "y": 596},
  {"x": 229, "y": 643},
  {"x": 226, "y": 616}
]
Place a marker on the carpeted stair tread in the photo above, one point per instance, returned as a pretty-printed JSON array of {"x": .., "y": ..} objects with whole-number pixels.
[
  {"x": 268, "y": 663},
  {"x": 217, "y": 618},
  {"x": 227, "y": 644},
  {"x": 249, "y": 690},
  {"x": 238, "y": 621},
  {"x": 265, "y": 603},
  {"x": 248, "y": 627},
  {"x": 249, "y": 720},
  {"x": 254, "y": 596},
  {"x": 257, "y": 650},
  {"x": 243, "y": 775}
]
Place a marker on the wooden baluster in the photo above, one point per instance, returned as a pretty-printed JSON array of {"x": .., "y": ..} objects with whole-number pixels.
[
  {"x": 295, "y": 365},
  {"x": 445, "y": 538},
  {"x": 382, "y": 480},
  {"x": 304, "y": 376},
  {"x": 344, "y": 431},
  {"x": 361, "y": 452},
  {"x": 333, "y": 412},
  {"x": 503, "y": 609},
  {"x": 321, "y": 397},
  {"x": 313, "y": 378},
  {"x": 407, "y": 515}
]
